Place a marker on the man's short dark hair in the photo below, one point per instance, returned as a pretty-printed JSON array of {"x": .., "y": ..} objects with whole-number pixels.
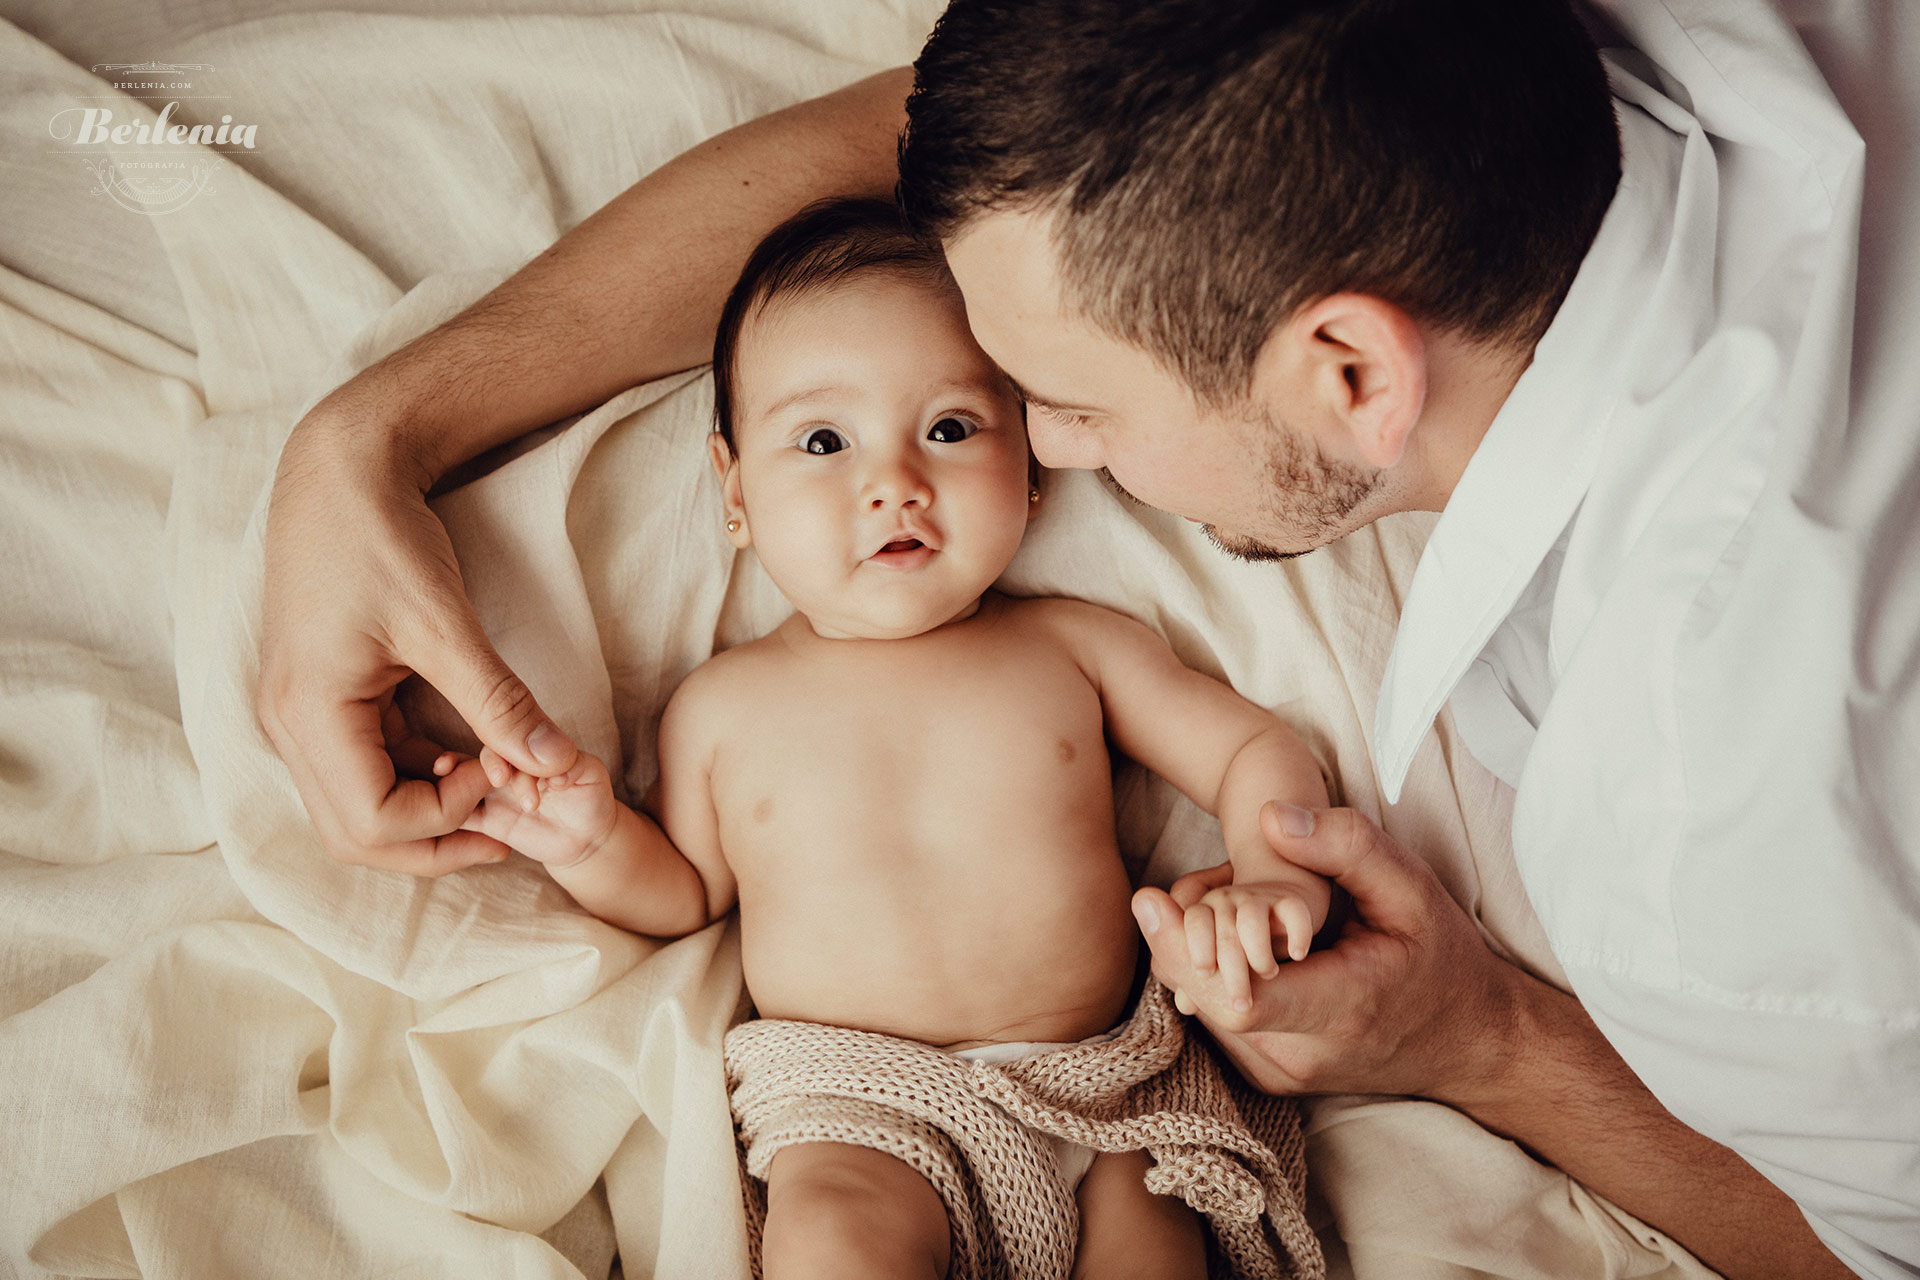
[
  {"x": 1214, "y": 165},
  {"x": 824, "y": 244}
]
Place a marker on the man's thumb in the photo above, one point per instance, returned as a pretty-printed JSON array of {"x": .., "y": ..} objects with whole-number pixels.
[
  {"x": 497, "y": 705},
  {"x": 1345, "y": 847}
]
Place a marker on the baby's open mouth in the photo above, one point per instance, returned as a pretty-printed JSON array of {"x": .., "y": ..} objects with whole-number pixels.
[{"x": 901, "y": 544}]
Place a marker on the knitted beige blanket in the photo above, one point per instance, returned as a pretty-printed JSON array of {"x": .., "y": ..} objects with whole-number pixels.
[{"x": 972, "y": 1130}]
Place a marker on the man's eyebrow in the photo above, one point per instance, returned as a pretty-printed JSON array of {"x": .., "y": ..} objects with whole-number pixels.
[{"x": 1058, "y": 406}]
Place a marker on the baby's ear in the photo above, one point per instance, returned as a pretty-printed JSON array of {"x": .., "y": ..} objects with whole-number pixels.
[
  {"x": 726, "y": 465},
  {"x": 720, "y": 454}
]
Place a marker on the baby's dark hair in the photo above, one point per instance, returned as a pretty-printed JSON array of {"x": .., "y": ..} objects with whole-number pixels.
[{"x": 824, "y": 244}]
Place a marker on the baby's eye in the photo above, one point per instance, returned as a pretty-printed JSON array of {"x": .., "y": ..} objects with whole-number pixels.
[
  {"x": 823, "y": 440},
  {"x": 951, "y": 430}
]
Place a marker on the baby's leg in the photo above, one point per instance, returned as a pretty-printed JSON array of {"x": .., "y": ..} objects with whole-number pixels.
[
  {"x": 1126, "y": 1230},
  {"x": 838, "y": 1210}
]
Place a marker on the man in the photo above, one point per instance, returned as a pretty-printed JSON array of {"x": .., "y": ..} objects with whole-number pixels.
[{"x": 1284, "y": 269}]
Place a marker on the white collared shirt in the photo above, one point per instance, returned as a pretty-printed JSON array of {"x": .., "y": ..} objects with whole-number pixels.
[{"x": 1675, "y": 601}]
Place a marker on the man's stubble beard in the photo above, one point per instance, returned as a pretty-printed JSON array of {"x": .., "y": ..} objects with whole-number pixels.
[{"x": 1310, "y": 494}]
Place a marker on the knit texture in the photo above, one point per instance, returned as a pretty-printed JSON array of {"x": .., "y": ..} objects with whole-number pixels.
[{"x": 969, "y": 1129}]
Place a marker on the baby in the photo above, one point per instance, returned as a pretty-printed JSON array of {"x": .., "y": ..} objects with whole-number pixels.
[{"x": 905, "y": 787}]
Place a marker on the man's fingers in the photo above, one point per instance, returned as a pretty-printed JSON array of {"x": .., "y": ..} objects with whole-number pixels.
[
  {"x": 417, "y": 809},
  {"x": 461, "y": 663},
  {"x": 1195, "y": 885},
  {"x": 414, "y": 754},
  {"x": 369, "y": 805},
  {"x": 1201, "y": 950},
  {"x": 455, "y": 851},
  {"x": 492, "y": 818},
  {"x": 1163, "y": 924},
  {"x": 1390, "y": 887}
]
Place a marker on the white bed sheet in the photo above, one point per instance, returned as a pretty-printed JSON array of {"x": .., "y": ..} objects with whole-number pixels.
[{"x": 222, "y": 1053}]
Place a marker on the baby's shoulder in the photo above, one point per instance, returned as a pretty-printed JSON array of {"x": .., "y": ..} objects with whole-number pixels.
[
  {"x": 1073, "y": 622},
  {"x": 724, "y": 680},
  {"x": 711, "y": 705}
]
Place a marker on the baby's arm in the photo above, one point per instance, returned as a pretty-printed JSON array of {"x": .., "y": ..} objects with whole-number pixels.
[
  {"x": 616, "y": 862},
  {"x": 1229, "y": 756}
]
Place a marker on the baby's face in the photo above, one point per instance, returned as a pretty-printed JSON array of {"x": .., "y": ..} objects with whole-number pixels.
[{"x": 881, "y": 458}]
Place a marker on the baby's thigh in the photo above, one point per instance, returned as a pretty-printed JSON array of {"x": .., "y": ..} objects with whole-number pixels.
[
  {"x": 834, "y": 1209},
  {"x": 1126, "y": 1230}
]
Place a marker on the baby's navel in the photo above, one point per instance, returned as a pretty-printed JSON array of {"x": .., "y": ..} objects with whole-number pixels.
[
  {"x": 1065, "y": 751},
  {"x": 763, "y": 809}
]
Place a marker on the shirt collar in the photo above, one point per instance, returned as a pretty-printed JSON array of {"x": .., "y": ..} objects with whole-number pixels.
[{"x": 1531, "y": 470}]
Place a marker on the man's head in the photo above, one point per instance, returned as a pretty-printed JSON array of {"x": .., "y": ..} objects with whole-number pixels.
[
  {"x": 1192, "y": 179},
  {"x": 865, "y": 445}
]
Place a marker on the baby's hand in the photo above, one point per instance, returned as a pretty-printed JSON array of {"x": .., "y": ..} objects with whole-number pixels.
[
  {"x": 1232, "y": 929},
  {"x": 557, "y": 821}
]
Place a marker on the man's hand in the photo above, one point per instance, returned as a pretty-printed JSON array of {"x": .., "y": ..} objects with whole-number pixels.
[
  {"x": 1408, "y": 1000},
  {"x": 362, "y": 589}
]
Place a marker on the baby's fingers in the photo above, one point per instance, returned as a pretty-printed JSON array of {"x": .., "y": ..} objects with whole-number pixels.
[
  {"x": 1297, "y": 923},
  {"x": 523, "y": 789},
  {"x": 586, "y": 770},
  {"x": 499, "y": 771},
  {"x": 1232, "y": 960},
  {"x": 1256, "y": 938},
  {"x": 1200, "y": 938}
]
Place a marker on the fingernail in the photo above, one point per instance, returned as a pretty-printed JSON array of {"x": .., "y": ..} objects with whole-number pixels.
[
  {"x": 1147, "y": 912},
  {"x": 1241, "y": 1003},
  {"x": 1294, "y": 820},
  {"x": 548, "y": 744}
]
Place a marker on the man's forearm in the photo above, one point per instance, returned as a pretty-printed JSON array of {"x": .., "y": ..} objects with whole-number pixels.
[
  {"x": 1566, "y": 1095},
  {"x": 632, "y": 293}
]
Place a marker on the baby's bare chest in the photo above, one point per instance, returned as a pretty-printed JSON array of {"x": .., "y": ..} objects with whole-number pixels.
[{"x": 895, "y": 753}]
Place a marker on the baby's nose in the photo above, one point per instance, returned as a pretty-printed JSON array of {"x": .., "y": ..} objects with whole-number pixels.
[{"x": 896, "y": 482}]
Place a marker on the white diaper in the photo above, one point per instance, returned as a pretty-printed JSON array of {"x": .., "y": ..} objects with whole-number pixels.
[{"x": 1074, "y": 1160}]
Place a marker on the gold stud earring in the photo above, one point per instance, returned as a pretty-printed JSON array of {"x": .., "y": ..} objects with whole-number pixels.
[
  {"x": 1033, "y": 495},
  {"x": 733, "y": 526}
]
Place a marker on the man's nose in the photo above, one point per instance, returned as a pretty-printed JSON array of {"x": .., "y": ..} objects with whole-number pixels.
[
  {"x": 1057, "y": 446},
  {"x": 895, "y": 479}
]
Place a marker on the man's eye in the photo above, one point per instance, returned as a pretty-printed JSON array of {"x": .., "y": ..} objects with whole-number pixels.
[
  {"x": 823, "y": 440},
  {"x": 951, "y": 430},
  {"x": 1065, "y": 416}
]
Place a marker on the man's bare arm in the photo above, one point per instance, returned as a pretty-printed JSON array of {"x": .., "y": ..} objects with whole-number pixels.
[
  {"x": 362, "y": 585},
  {"x": 1409, "y": 1000},
  {"x": 633, "y": 292},
  {"x": 1569, "y": 1098}
]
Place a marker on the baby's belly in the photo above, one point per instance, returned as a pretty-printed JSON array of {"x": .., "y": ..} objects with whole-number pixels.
[{"x": 995, "y": 945}]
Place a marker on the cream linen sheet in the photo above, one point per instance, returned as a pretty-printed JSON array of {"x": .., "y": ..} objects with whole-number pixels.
[{"x": 223, "y": 1054}]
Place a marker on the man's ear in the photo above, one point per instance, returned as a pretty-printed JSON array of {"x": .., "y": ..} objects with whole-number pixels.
[
  {"x": 726, "y": 465},
  {"x": 1351, "y": 363}
]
